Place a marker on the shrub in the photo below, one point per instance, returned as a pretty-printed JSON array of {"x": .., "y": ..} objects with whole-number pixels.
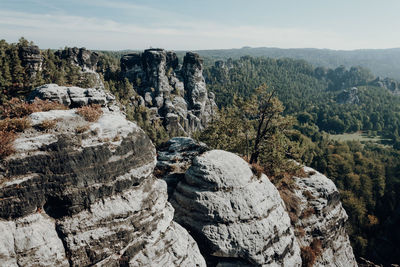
[
  {"x": 82, "y": 129},
  {"x": 310, "y": 253},
  {"x": 292, "y": 203},
  {"x": 90, "y": 113},
  {"x": 46, "y": 125},
  {"x": 17, "y": 108},
  {"x": 257, "y": 169},
  {"x": 6, "y": 146},
  {"x": 307, "y": 256},
  {"x": 14, "y": 124}
]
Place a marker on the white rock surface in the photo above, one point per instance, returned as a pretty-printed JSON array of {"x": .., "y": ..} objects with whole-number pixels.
[
  {"x": 83, "y": 194},
  {"x": 31, "y": 241},
  {"x": 327, "y": 220},
  {"x": 233, "y": 215}
]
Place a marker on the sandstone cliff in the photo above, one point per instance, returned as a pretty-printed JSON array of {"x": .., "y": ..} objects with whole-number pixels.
[
  {"x": 82, "y": 193},
  {"x": 240, "y": 220},
  {"x": 177, "y": 93}
]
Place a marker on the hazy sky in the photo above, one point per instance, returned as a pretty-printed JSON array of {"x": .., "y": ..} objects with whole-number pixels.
[{"x": 202, "y": 24}]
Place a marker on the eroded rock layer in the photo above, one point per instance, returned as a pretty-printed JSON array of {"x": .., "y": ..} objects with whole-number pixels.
[
  {"x": 235, "y": 217},
  {"x": 82, "y": 193}
]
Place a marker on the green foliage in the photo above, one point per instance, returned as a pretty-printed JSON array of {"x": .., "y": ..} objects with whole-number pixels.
[
  {"x": 255, "y": 129},
  {"x": 310, "y": 94}
]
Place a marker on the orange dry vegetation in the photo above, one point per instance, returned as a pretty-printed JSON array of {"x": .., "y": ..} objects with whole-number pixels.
[
  {"x": 14, "y": 124},
  {"x": 6, "y": 140},
  {"x": 90, "y": 113},
  {"x": 257, "y": 169},
  {"x": 13, "y": 115},
  {"x": 311, "y": 253},
  {"x": 17, "y": 108}
]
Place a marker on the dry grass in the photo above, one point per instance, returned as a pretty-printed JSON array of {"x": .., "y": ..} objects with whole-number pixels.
[
  {"x": 14, "y": 124},
  {"x": 292, "y": 204},
  {"x": 307, "y": 212},
  {"x": 117, "y": 138},
  {"x": 6, "y": 143},
  {"x": 310, "y": 253},
  {"x": 257, "y": 169},
  {"x": 46, "y": 125},
  {"x": 307, "y": 194},
  {"x": 299, "y": 232},
  {"x": 90, "y": 113},
  {"x": 17, "y": 108},
  {"x": 82, "y": 129}
]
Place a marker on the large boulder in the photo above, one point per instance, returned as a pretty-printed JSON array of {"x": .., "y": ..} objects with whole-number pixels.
[
  {"x": 236, "y": 217},
  {"x": 82, "y": 193}
]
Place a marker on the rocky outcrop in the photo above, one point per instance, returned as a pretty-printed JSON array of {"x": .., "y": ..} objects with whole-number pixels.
[
  {"x": 322, "y": 220},
  {"x": 83, "y": 194},
  {"x": 81, "y": 57},
  {"x": 175, "y": 157},
  {"x": 31, "y": 59},
  {"x": 72, "y": 96},
  {"x": 87, "y": 61},
  {"x": 236, "y": 218},
  {"x": 348, "y": 96},
  {"x": 386, "y": 83},
  {"x": 241, "y": 220},
  {"x": 177, "y": 93}
]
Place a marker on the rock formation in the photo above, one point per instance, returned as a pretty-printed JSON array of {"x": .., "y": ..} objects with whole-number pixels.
[
  {"x": 386, "y": 83},
  {"x": 81, "y": 57},
  {"x": 322, "y": 220},
  {"x": 72, "y": 96},
  {"x": 82, "y": 193},
  {"x": 86, "y": 60},
  {"x": 31, "y": 59},
  {"x": 348, "y": 96},
  {"x": 177, "y": 93},
  {"x": 240, "y": 220},
  {"x": 175, "y": 157}
]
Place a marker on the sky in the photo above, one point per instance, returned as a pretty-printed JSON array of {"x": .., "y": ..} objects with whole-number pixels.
[{"x": 202, "y": 24}]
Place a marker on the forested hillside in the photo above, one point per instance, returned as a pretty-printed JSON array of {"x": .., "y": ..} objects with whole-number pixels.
[
  {"x": 317, "y": 95},
  {"x": 382, "y": 62},
  {"x": 323, "y": 101}
]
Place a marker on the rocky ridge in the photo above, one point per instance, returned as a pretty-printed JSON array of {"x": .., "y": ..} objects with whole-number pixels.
[
  {"x": 82, "y": 194},
  {"x": 176, "y": 93},
  {"x": 241, "y": 220}
]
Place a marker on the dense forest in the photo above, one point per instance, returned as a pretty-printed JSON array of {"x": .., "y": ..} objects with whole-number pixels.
[
  {"x": 305, "y": 103},
  {"x": 382, "y": 62},
  {"x": 317, "y": 95}
]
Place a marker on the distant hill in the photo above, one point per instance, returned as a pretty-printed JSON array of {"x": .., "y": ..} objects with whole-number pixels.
[{"x": 382, "y": 62}]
